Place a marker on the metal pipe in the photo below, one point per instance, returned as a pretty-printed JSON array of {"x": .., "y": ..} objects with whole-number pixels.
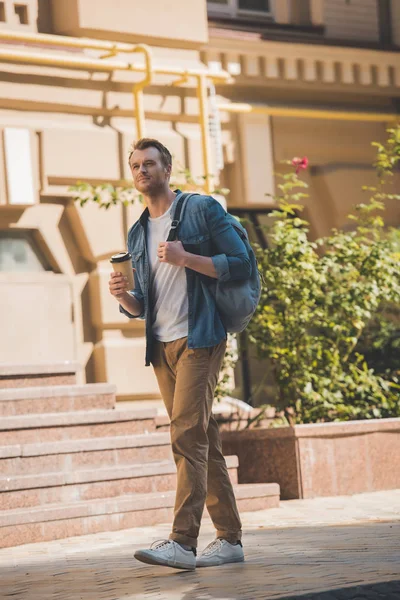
[
  {"x": 139, "y": 87},
  {"x": 112, "y": 49},
  {"x": 46, "y": 39},
  {"x": 309, "y": 113},
  {"x": 41, "y": 58},
  {"x": 62, "y": 61},
  {"x": 204, "y": 123},
  {"x": 77, "y": 62}
]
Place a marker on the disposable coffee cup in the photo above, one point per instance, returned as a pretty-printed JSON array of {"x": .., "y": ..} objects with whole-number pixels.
[{"x": 122, "y": 263}]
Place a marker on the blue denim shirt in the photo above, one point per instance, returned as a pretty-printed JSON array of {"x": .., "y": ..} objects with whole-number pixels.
[{"x": 204, "y": 230}]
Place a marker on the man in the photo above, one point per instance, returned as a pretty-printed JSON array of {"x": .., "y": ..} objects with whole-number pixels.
[{"x": 186, "y": 343}]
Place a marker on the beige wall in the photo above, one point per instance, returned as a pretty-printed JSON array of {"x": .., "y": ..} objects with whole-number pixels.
[
  {"x": 256, "y": 157},
  {"x": 341, "y": 157},
  {"x": 20, "y": 16},
  {"x": 81, "y": 125},
  {"x": 36, "y": 318},
  {"x": 158, "y": 21},
  {"x": 71, "y": 144}
]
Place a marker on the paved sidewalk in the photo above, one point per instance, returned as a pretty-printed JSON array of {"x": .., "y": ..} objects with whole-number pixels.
[{"x": 327, "y": 548}]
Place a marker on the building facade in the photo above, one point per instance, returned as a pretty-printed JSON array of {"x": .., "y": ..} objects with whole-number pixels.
[{"x": 232, "y": 87}]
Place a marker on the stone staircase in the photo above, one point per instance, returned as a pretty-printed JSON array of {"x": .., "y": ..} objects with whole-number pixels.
[{"x": 72, "y": 462}]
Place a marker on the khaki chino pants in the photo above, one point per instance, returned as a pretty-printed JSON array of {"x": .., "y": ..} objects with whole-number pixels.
[{"x": 187, "y": 379}]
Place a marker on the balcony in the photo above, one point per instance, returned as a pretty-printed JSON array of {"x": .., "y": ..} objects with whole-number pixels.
[
  {"x": 253, "y": 61},
  {"x": 347, "y": 23}
]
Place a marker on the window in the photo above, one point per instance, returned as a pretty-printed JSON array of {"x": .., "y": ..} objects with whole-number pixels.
[
  {"x": 254, "y": 5},
  {"x": 2, "y": 12},
  {"x": 237, "y": 8},
  {"x": 21, "y": 10},
  {"x": 20, "y": 253},
  {"x": 19, "y": 162},
  {"x": 300, "y": 12}
]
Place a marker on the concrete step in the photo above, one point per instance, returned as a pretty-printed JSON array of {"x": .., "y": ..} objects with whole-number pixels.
[
  {"x": 74, "y": 425},
  {"x": 14, "y": 375},
  {"x": 71, "y": 455},
  {"x": 67, "y": 487},
  {"x": 231, "y": 415},
  {"x": 56, "y": 521},
  {"x": 57, "y": 398}
]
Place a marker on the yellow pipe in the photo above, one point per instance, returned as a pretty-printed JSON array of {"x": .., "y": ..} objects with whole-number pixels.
[
  {"x": 112, "y": 49},
  {"x": 138, "y": 90},
  {"x": 204, "y": 122},
  {"x": 63, "y": 61},
  {"x": 181, "y": 81},
  {"x": 309, "y": 113},
  {"x": 64, "y": 41}
]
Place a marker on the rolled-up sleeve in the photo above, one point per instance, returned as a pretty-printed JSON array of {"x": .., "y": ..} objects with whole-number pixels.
[
  {"x": 138, "y": 294},
  {"x": 232, "y": 261}
]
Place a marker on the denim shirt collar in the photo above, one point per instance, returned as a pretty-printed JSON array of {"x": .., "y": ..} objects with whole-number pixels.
[{"x": 144, "y": 217}]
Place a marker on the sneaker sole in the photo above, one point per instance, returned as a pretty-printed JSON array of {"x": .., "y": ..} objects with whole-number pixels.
[
  {"x": 151, "y": 560},
  {"x": 222, "y": 562}
]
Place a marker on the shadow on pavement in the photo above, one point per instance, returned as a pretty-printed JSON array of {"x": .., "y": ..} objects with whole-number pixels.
[
  {"x": 388, "y": 590},
  {"x": 354, "y": 562}
]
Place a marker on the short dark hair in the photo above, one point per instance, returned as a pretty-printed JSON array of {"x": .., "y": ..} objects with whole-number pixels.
[{"x": 145, "y": 143}]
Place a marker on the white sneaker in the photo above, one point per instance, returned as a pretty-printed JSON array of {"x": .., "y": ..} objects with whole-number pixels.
[
  {"x": 220, "y": 552},
  {"x": 167, "y": 553}
]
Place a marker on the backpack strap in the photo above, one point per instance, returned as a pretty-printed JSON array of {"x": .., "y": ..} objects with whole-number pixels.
[{"x": 173, "y": 233}]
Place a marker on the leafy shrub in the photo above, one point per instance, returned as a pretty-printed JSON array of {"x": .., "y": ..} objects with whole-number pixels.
[{"x": 318, "y": 300}]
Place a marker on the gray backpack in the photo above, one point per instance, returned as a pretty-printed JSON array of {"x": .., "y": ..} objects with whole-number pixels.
[{"x": 236, "y": 301}]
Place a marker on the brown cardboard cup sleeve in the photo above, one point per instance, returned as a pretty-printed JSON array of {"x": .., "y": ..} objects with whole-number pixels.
[{"x": 122, "y": 263}]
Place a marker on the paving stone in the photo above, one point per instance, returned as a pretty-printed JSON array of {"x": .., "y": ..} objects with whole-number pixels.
[{"x": 325, "y": 549}]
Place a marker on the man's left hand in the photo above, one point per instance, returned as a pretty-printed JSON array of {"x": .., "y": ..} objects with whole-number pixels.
[{"x": 172, "y": 253}]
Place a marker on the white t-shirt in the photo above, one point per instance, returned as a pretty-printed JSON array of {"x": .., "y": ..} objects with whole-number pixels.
[{"x": 168, "y": 287}]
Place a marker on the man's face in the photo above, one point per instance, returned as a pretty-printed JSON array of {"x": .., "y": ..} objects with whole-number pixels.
[{"x": 149, "y": 172}]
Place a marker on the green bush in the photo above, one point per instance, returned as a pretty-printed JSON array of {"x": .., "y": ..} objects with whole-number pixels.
[{"x": 319, "y": 303}]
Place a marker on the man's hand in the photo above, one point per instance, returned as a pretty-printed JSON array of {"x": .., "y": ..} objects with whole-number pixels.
[
  {"x": 118, "y": 285},
  {"x": 172, "y": 253},
  {"x": 175, "y": 254}
]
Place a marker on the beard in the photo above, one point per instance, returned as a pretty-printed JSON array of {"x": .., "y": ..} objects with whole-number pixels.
[{"x": 150, "y": 186}]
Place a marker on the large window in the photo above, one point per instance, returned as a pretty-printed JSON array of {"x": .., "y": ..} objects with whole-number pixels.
[
  {"x": 237, "y": 8},
  {"x": 20, "y": 253}
]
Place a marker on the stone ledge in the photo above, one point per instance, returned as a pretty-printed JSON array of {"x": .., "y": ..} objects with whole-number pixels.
[
  {"x": 10, "y": 369},
  {"x": 38, "y": 421},
  {"x": 47, "y": 480},
  {"x": 55, "y": 391},
  {"x": 336, "y": 429},
  {"x": 92, "y": 444},
  {"x": 345, "y": 428},
  {"x": 10, "y": 451},
  {"x": 326, "y": 459},
  {"x": 121, "y": 504}
]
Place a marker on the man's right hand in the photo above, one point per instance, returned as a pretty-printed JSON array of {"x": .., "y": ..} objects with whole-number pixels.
[{"x": 118, "y": 285}]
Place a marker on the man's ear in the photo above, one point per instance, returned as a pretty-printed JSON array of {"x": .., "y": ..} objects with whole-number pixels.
[{"x": 168, "y": 170}]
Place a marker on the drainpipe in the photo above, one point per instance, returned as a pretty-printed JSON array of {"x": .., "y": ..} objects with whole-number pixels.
[
  {"x": 112, "y": 49},
  {"x": 309, "y": 113},
  {"x": 63, "y": 41},
  {"x": 202, "y": 89},
  {"x": 139, "y": 87}
]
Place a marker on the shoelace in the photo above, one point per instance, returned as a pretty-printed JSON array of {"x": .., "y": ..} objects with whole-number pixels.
[
  {"x": 214, "y": 545},
  {"x": 159, "y": 544}
]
